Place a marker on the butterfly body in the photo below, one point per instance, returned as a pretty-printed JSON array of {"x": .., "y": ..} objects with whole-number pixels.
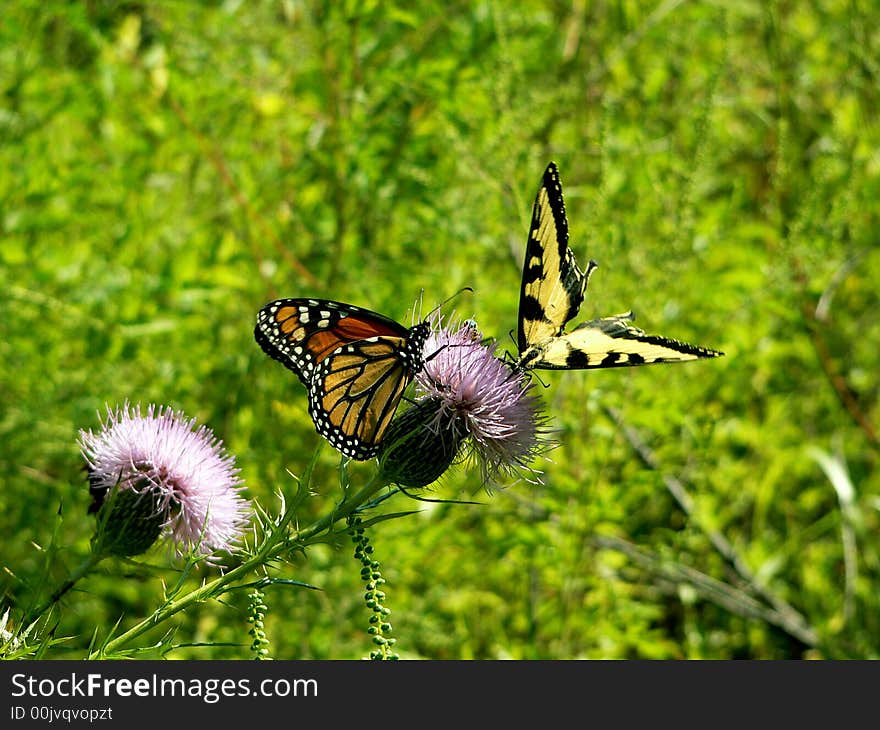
[
  {"x": 355, "y": 364},
  {"x": 552, "y": 291}
]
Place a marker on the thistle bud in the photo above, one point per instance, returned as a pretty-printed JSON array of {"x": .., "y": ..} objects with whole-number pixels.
[
  {"x": 129, "y": 522},
  {"x": 419, "y": 446},
  {"x": 166, "y": 475}
]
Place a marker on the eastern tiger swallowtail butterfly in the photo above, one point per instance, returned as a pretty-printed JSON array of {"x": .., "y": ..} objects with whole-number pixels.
[
  {"x": 552, "y": 292},
  {"x": 355, "y": 364}
]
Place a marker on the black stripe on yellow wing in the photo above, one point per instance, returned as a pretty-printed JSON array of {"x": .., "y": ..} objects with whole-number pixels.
[
  {"x": 611, "y": 342},
  {"x": 355, "y": 393},
  {"x": 552, "y": 292},
  {"x": 552, "y": 284}
]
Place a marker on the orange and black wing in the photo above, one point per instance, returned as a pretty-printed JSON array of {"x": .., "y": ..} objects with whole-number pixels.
[
  {"x": 300, "y": 333},
  {"x": 355, "y": 392},
  {"x": 355, "y": 363}
]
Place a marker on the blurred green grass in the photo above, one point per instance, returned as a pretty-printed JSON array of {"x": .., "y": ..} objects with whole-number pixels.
[{"x": 167, "y": 168}]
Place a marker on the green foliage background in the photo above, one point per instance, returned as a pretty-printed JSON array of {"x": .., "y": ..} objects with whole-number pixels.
[{"x": 166, "y": 168}]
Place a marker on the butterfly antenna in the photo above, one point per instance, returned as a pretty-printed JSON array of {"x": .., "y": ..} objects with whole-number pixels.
[
  {"x": 449, "y": 299},
  {"x": 513, "y": 358}
]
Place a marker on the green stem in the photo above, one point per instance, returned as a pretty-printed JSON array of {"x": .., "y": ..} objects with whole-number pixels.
[
  {"x": 82, "y": 569},
  {"x": 269, "y": 550}
]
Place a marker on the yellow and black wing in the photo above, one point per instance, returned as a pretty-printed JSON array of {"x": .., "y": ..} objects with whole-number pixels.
[
  {"x": 552, "y": 284},
  {"x": 611, "y": 342},
  {"x": 552, "y": 292}
]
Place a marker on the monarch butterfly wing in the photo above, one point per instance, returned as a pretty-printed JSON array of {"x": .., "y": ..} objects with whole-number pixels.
[
  {"x": 300, "y": 333},
  {"x": 611, "y": 342},
  {"x": 552, "y": 284},
  {"x": 355, "y": 393}
]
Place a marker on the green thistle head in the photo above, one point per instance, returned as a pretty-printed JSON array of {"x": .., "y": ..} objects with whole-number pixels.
[
  {"x": 419, "y": 446},
  {"x": 129, "y": 522}
]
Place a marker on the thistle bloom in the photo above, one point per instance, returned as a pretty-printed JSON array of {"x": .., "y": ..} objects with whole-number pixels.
[
  {"x": 169, "y": 477},
  {"x": 468, "y": 397}
]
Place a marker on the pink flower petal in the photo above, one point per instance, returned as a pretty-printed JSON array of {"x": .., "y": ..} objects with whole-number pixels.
[{"x": 195, "y": 478}]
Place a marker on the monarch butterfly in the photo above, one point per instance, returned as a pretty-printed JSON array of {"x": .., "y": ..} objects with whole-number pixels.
[
  {"x": 552, "y": 291},
  {"x": 355, "y": 364}
]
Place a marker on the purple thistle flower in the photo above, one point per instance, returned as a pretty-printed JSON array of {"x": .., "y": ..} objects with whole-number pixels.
[
  {"x": 468, "y": 397},
  {"x": 192, "y": 482},
  {"x": 482, "y": 397}
]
